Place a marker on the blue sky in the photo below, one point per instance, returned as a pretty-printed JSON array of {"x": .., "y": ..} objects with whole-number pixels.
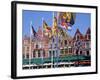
[{"x": 82, "y": 21}]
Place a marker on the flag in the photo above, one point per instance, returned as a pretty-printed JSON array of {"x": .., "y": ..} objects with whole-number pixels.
[
  {"x": 70, "y": 18},
  {"x": 67, "y": 19},
  {"x": 46, "y": 28},
  {"x": 63, "y": 23},
  {"x": 55, "y": 22},
  {"x": 33, "y": 31},
  {"x": 55, "y": 27}
]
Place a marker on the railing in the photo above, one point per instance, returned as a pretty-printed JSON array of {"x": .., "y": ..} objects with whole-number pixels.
[{"x": 38, "y": 61}]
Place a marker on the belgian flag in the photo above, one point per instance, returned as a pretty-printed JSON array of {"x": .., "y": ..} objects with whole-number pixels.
[
  {"x": 55, "y": 27},
  {"x": 46, "y": 29},
  {"x": 67, "y": 19}
]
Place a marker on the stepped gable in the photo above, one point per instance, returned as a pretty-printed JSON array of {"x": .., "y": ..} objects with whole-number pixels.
[{"x": 78, "y": 33}]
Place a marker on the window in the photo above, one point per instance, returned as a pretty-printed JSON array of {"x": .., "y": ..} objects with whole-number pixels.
[
  {"x": 27, "y": 48},
  {"x": 87, "y": 45},
  {"x": 50, "y": 45},
  {"x": 62, "y": 51},
  {"x": 88, "y": 36},
  {"x": 65, "y": 42},
  {"x": 36, "y": 46},
  {"x": 53, "y": 53},
  {"x": 33, "y": 53},
  {"x": 57, "y": 51},
  {"x": 43, "y": 53},
  {"x": 76, "y": 52},
  {"x": 27, "y": 56},
  {"x": 70, "y": 50},
  {"x": 39, "y": 54},
  {"x": 66, "y": 51},
  {"x": 55, "y": 45},
  {"x": 77, "y": 37},
  {"x": 87, "y": 53},
  {"x": 50, "y": 54},
  {"x": 80, "y": 52},
  {"x": 53, "y": 40}
]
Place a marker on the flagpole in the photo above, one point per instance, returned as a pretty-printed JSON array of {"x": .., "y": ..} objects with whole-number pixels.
[
  {"x": 30, "y": 44},
  {"x": 42, "y": 26},
  {"x": 52, "y": 44},
  {"x": 42, "y": 43},
  {"x": 57, "y": 40}
]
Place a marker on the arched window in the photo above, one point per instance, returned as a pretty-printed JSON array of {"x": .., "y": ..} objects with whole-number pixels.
[
  {"x": 33, "y": 53},
  {"x": 53, "y": 53},
  {"x": 50, "y": 54},
  {"x": 61, "y": 43},
  {"x": 36, "y": 45},
  {"x": 65, "y": 42},
  {"x": 44, "y": 53},
  {"x": 77, "y": 37},
  {"x": 39, "y": 55},
  {"x": 53, "y": 39},
  {"x": 76, "y": 52},
  {"x": 27, "y": 56},
  {"x": 27, "y": 48},
  {"x": 87, "y": 53},
  {"x": 80, "y": 52}
]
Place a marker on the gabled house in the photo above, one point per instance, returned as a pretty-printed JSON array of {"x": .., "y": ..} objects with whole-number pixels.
[{"x": 81, "y": 43}]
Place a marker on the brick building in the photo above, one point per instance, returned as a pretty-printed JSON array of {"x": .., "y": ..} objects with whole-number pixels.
[
  {"x": 81, "y": 43},
  {"x": 43, "y": 47}
]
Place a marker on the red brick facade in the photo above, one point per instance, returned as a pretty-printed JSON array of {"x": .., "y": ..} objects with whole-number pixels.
[
  {"x": 85, "y": 42},
  {"x": 41, "y": 45}
]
